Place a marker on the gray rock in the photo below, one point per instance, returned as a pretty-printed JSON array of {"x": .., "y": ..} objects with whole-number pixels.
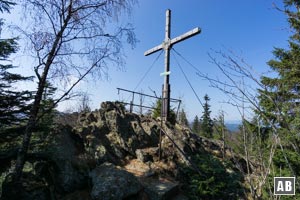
[
  {"x": 111, "y": 183},
  {"x": 60, "y": 161},
  {"x": 115, "y": 132},
  {"x": 147, "y": 154},
  {"x": 71, "y": 174},
  {"x": 159, "y": 189},
  {"x": 63, "y": 158}
]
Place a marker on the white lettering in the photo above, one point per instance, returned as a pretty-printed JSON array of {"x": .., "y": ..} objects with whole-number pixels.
[
  {"x": 288, "y": 186},
  {"x": 280, "y": 186}
]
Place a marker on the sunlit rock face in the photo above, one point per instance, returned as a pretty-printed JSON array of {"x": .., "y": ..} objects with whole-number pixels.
[{"x": 106, "y": 154}]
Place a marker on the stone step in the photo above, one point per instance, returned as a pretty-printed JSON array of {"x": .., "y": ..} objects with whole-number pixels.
[
  {"x": 155, "y": 188},
  {"x": 159, "y": 188},
  {"x": 138, "y": 168}
]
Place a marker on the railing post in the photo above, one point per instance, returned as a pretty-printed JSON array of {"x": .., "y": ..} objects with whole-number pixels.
[{"x": 131, "y": 103}]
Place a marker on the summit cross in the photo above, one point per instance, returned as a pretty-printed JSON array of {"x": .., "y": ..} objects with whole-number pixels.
[{"x": 166, "y": 46}]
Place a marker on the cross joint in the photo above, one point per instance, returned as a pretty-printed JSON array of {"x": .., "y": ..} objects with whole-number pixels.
[{"x": 167, "y": 44}]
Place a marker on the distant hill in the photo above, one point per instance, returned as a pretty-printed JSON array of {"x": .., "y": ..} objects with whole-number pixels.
[{"x": 233, "y": 126}]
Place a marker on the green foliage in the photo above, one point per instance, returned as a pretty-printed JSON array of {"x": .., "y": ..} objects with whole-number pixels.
[
  {"x": 157, "y": 112},
  {"x": 214, "y": 182},
  {"x": 157, "y": 109},
  {"x": 281, "y": 168},
  {"x": 206, "y": 121},
  {"x": 8, "y": 46},
  {"x": 47, "y": 111},
  {"x": 279, "y": 100},
  {"x": 219, "y": 127},
  {"x": 14, "y": 104},
  {"x": 196, "y": 126},
  {"x": 14, "y": 107},
  {"x": 182, "y": 118}
]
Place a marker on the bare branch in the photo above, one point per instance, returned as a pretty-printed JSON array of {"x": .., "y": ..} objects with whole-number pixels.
[
  {"x": 36, "y": 3},
  {"x": 68, "y": 37}
]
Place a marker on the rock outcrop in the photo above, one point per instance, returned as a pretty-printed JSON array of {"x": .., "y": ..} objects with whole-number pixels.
[
  {"x": 109, "y": 154},
  {"x": 111, "y": 134}
]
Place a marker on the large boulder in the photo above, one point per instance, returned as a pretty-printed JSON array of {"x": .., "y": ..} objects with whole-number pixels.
[
  {"x": 61, "y": 158},
  {"x": 111, "y": 134},
  {"x": 111, "y": 183}
]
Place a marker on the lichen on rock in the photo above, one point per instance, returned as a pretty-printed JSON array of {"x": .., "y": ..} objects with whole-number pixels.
[
  {"x": 108, "y": 154},
  {"x": 111, "y": 183}
]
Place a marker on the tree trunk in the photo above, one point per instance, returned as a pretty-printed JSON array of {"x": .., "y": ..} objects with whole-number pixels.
[{"x": 32, "y": 122}]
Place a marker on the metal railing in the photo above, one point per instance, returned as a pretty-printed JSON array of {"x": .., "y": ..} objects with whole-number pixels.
[{"x": 141, "y": 105}]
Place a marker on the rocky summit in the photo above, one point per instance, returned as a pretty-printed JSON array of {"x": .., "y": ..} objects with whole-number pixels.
[{"x": 111, "y": 154}]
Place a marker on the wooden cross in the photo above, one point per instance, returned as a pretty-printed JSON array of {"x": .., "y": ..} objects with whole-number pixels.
[{"x": 166, "y": 46}]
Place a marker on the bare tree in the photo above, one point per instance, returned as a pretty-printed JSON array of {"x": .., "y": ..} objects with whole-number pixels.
[
  {"x": 83, "y": 104},
  {"x": 240, "y": 84},
  {"x": 71, "y": 38}
]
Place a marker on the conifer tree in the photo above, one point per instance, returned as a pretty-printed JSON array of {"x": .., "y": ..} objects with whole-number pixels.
[
  {"x": 47, "y": 111},
  {"x": 280, "y": 99},
  {"x": 157, "y": 109},
  {"x": 219, "y": 126},
  {"x": 206, "y": 121},
  {"x": 182, "y": 118},
  {"x": 196, "y": 125},
  {"x": 157, "y": 112},
  {"x": 14, "y": 104}
]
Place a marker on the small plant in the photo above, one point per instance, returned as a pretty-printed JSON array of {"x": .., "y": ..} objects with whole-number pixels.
[
  {"x": 157, "y": 112},
  {"x": 214, "y": 182}
]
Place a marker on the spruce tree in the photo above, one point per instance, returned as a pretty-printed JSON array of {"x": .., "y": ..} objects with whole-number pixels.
[
  {"x": 47, "y": 111},
  {"x": 157, "y": 109},
  {"x": 196, "y": 125},
  {"x": 206, "y": 121},
  {"x": 14, "y": 104},
  {"x": 182, "y": 118},
  {"x": 279, "y": 100},
  {"x": 157, "y": 112}
]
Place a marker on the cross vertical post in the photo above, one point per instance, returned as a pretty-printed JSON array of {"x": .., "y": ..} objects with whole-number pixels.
[
  {"x": 166, "y": 46},
  {"x": 166, "y": 87}
]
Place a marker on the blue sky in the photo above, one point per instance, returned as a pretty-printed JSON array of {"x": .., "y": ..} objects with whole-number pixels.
[{"x": 251, "y": 28}]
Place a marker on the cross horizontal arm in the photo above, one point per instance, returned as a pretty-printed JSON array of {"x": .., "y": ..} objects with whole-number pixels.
[
  {"x": 153, "y": 50},
  {"x": 186, "y": 35}
]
